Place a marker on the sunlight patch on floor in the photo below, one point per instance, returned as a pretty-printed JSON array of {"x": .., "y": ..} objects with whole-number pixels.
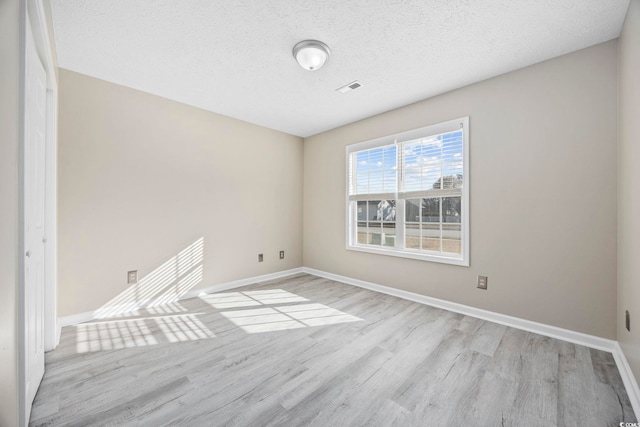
[
  {"x": 229, "y": 300},
  {"x": 269, "y": 319},
  {"x": 183, "y": 328},
  {"x": 168, "y": 308},
  {"x": 250, "y": 298},
  {"x": 118, "y": 334},
  {"x": 113, "y": 335}
]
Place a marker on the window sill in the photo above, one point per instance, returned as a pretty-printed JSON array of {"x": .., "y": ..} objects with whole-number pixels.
[{"x": 409, "y": 254}]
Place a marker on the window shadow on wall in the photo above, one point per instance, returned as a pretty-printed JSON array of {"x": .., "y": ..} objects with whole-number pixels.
[{"x": 160, "y": 290}]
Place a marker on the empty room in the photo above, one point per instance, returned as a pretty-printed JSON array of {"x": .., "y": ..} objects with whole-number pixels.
[{"x": 327, "y": 213}]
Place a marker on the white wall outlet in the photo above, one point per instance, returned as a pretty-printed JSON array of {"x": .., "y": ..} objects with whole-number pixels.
[
  {"x": 132, "y": 276},
  {"x": 483, "y": 282}
]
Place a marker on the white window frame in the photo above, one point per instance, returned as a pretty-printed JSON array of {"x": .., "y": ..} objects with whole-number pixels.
[{"x": 351, "y": 208}]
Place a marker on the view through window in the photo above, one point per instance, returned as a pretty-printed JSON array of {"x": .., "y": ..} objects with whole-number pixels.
[{"x": 408, "y": 194}]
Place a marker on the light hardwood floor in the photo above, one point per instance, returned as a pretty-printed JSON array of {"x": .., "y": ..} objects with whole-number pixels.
[{"x": 309, "y": 351}]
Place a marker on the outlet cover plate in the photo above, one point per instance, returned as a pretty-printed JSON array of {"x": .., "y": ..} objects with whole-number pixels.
[
  {"x": 627, "y": 320},
  {"x": 483, "y": 282},
  {"x": 132, "y": 276}
]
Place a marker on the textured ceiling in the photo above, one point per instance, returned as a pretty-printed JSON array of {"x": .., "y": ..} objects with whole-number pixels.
[{"x": 234, "y": 57}]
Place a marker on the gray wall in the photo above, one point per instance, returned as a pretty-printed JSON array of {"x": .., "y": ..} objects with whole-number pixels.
[
  {"x": 629, "y": 187},
  {"x": 543, "y": 195},
  {"x": 9, "y": 137},
  {"x": 142, "y": 177}
]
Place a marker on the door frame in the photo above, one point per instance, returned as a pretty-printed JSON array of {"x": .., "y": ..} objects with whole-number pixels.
[{"x": 34, "y": 11}]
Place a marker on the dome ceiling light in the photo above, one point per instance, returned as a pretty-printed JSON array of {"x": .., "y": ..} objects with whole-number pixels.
[{"x": 311, "y": 54}]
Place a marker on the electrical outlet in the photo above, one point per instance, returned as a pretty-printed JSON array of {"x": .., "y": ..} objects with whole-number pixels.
[
  {"x": 483, "y": 282},
  {"x": 281, "y": 254},
  {"x": 132, "y": 276},
  {"x": 260, "y": 257},
  {"x": 627, "y": 320}
]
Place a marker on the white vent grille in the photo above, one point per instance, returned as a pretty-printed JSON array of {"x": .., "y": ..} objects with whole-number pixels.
[{"x": 349, "y": 87}]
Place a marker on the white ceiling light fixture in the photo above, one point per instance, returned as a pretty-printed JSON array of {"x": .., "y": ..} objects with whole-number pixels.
[{"x": 311, "y": 54}]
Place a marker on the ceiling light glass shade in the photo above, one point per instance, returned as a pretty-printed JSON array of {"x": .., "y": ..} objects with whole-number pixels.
[{"x": 311, "y": 54}]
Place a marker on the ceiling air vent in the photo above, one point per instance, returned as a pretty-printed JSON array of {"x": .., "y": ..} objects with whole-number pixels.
[{"x": 349, "y": 87}]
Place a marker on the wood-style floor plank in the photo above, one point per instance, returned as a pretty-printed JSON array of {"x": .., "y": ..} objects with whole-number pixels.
[{"x": 304, "y": 350}]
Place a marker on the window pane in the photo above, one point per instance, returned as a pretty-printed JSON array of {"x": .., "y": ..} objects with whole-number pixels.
[
  {"x": 437, "y": 183},
  {"x": 452, "y": 143},
  {"x": 390, "y": 182},
  {"x": 412, "y": 180},
  {"x": 412, "y": 173},
  {"x": 451, "y": 181},
  {"x": 362, "y": 185},
  {"x": 374, "y": 233},
  {"x": 375, "y": 170},
  {"x": 389, "y": 229},
  {"x": 412, "y": 210},
  {"x": 372, "y": 210},
  {"x": 375, "y": 159},
  {"x": 451, "y": 209},
  {"x": 452, "y": 159},
  {"x": 452, "y": 176},
  {"x": 451, "y": 238},
  {"x": 362, "y": 232},
  {"x": 362, "y": 211},
  {"x": 431, "y": 164},
  {"x": 362, "y": 161},
  {"x": 386, "y": 210},
  {"x": 361, "y": 168},
  {"x": 431, "y": 237},
  {"x": 431, "y": 209},
  {"x": 375, "y": 182},
  {"x": 389, "y": 158},
  {"x": 412, "y": 236},
  {"x": 412, "y": 152}
]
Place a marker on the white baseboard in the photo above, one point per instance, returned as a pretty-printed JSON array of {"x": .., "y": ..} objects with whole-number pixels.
[
  {"x": 242, "y": 282},
  {"x": 503, "y": 319},
  {"x": 78, "y": 318},
  {"x": 75, "y": 319},
  {"x": 574, "y": 337},
  {"x": 629, "y": 380}
]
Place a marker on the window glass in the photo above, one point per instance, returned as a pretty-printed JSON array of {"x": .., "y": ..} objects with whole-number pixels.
[
  {"x": 431, "y": 209},
  {"x": 407, "y": 194},
  {"x": 451, "y": 209}
]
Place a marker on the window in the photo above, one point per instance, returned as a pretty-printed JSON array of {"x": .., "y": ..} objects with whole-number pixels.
[{"x": 408, "y": 194}]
